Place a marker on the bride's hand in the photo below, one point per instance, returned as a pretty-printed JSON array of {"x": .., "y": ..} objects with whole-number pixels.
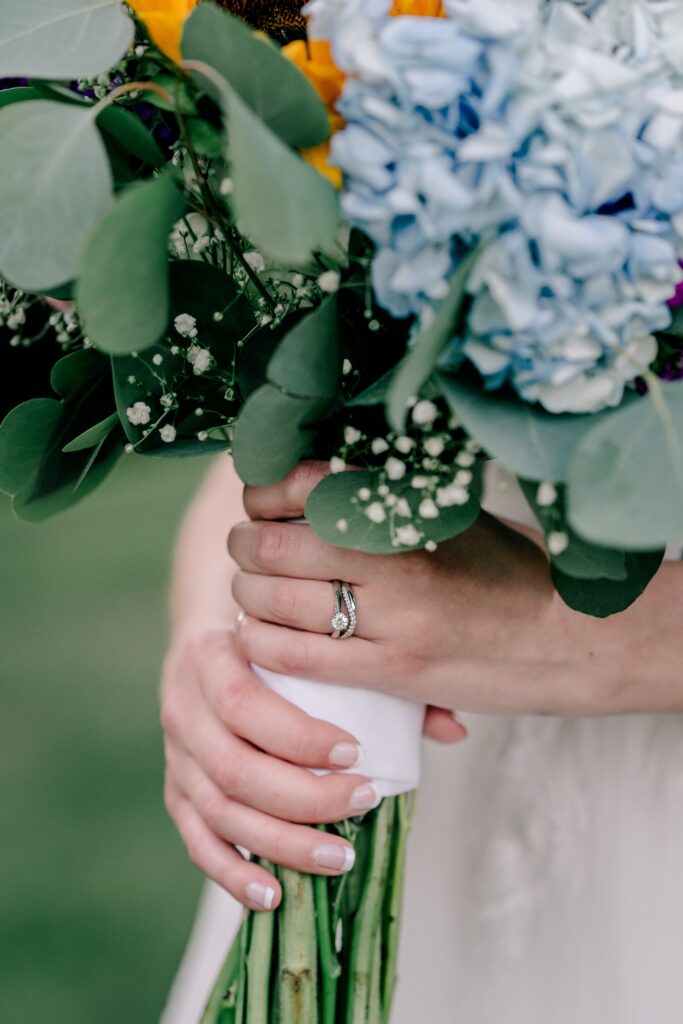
[
  {"x": 477, "y": 625},
  {"x": 234, "y": 752}
]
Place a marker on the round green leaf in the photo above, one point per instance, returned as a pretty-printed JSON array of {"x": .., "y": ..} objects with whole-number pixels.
[
  {"x": 271, "y": 434},
  {"x": 626, "y": 475},
  {"x": 288, "y": 209},
  {"x": 24, "y": 434},
  {"x": 277, "y": 92},
  {"x": 55, "y": 181},
  {"x": 122, "y": 294},
  {"x": 62, "y": 39},
  {"x": 603, "y": 597},
  {"x": 336, "y": 499},
  {"x": 530, "y": 442},
  {"x": 307, "y": 362},
  {"x": 93, "y": 436}
]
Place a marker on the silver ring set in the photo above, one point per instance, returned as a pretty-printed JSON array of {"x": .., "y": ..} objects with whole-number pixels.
[{"x": 343, "y": 622}]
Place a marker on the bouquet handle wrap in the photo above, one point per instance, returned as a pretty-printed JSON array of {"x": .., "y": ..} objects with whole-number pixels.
[{"x": 388, "y": 728}]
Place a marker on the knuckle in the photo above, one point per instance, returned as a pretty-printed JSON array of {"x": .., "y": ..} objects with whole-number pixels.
[
  {"x": 301, "y": 481},
  {"x": 228, "y": 773},
  {"x": 209, "y": 646},
  {"x": 272, "y": 545},
  {"x": 300, "y": 742},
  {"x": 211, "y": 806},
  {"x": 296, "y": 656},
  {"x": 324, "y": 803},
  {"x": 284, "y": 600},
  {"x": 233, "y": 698}
]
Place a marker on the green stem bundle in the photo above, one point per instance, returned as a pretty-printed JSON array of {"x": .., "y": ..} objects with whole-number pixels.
[{"x": 328, "y": 955}]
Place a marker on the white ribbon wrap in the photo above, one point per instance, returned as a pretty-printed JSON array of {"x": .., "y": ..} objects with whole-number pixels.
[{"x": 388, "y": 728}]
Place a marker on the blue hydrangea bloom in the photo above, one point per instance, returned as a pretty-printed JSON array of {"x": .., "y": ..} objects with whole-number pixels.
[{"x": 549, "y": 132}]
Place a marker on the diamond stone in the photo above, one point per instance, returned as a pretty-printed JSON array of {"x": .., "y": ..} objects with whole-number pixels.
[{"x": 339, "y": 621}]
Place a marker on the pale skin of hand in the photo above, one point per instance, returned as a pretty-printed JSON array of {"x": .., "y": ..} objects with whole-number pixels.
[
  {"x": 476, "y": 625},
  {"x": 237, "y": 755}
]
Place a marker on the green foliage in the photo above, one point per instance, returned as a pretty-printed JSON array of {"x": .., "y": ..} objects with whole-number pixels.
[
  {"x": 626, "y": 475},
  {"x": 336, "y": 498},
  {"x": 122, "y": 293},
  {"x": 288, "y": 209},
  {"x": 55, "y": 181},
  {"x": 273, "y": 433},
  {"x": 532, "y": 443},
  {"x": 18, "y": 95},
  {"x": 94, "y": 435},
  {"x": 307, "y": 362},
  {"x": 427, "y": 346},
  {"x": 278, "y": 93},
  {"x": 34, "y": 469},
  {"x": 274, "y": 428},
  {"x": 62, "y": 39},
  {"x": 603, "y": 597},
  {"x": 131, "y": 134}
]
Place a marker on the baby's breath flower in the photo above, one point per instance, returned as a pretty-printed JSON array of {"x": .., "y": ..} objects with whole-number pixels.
[
  {"x": 329, "y": 281},
  {"x": 546, "y": 494},
  {"x": 138, "y": 414},
  {"x": 404, "y": 444},
  {"x": 428, "y": 509},
  {"x": 342, "y": 525},
  {"x": 379, "y": 445},
  {"x": 424, "y": 412},
  {"x": 167, "y": 433},
  {"x": 465, "y": 459},
  {"x": 157, "y": 359},
  {"x": 226, "y": 187},
  {"x": 558, "y": 541},
  {"x": 419, "y": 482},
  {"x": 186, "y": 325},
  {"x": 375, "y": 512},
  {"x": 166, "y": 401},
  {"x": 430, "y": 546},
  {"x": 451, "y": 495},
  {"x": 403, "y": 508},
  {"x": 199, "y": 358},
  {"x": 408, "y": 535},
  {"x": 129, "y": 448},
  {"x": 383, "y": 490},
  {"x": 395, "y": 469},
  {"x": 434, "y": 446},
  {"x": 351, "y": 435},
  {"x": 463, "y": 477},
  {"x": 337, "y": 465},
  {"x": 255, "y": 260},
  {"x": 202, "y": 435},
  {"x": 364, "y": 493}
]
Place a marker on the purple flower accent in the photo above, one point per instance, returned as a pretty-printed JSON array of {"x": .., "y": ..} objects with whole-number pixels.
[{"x": 677, "y": 297}]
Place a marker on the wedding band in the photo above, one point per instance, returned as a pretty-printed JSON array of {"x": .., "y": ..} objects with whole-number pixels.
[
  {"x": 340, "y": 621},
  {"x": 350, "y": 602}
]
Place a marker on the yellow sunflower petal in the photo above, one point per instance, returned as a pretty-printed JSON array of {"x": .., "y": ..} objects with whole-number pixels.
[{"x": 164, "y": 20}]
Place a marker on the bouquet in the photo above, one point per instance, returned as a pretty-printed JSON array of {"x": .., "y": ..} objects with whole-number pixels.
[{"x": 403, "y": 238}]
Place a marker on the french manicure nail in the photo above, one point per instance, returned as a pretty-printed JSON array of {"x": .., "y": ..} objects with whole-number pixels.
[
  {"x": 260, "y": 895},
  {"x": 364, "y": 798},
  {"x": 345, "y": 755},
  {"x": 334, "y": 856}
]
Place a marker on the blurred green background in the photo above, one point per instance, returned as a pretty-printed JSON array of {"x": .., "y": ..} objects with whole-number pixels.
[{"x": 96, "y": 893}]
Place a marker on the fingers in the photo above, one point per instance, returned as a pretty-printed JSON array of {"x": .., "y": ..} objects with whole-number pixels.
[
  {"x": 286, "y": 499},
  {"x": 249, "y": 883},
  {"x": 294, "y": 846},
  {"x": 263, "y": 718},
  {"x": 286, "y": 549},
  {"x": 312, "y": 656},
  {"x": 250, "y": 777},
  {"x": 301, "y": 604},
  {"x": 442, "y": 726}
]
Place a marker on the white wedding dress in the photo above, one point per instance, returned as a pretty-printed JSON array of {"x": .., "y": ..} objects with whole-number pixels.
[{"x": 545, "y": 876}]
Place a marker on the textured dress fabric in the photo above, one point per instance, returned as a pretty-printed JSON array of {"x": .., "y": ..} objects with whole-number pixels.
[{"x": 545, "y": 874}]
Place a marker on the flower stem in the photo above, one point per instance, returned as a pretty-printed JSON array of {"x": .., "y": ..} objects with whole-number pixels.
[
  {"x": 403, "y": 821},
  {"x": 222, "y": 998},
  {"x": 259, "y": 964},
  {"x": 367, "y": 923},
  {"x": 298, "y": 970},
  {"x": 330, "y": 968}
]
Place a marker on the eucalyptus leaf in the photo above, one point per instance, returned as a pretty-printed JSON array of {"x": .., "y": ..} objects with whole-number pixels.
[
  {"x": 55, "y": 181},
  {"x": 62, "y": 39},
  {"x": 287, "y": 209},
  {"x": 532, "y": 443},
  {"x": 603, "y": 597},
  {"x": 273, "y": 433},
  {"x": 580, "y": 558},
  {"x": 131, "y": 133},
  {"x": 278, "y": 93},
  {"x": 24, "y": 433},
  {"x": 94, "y": 435},
  {"x": 73, "y": 373},
  {"x": 426, "y": 346},
  {"x": 122, "y": 293},
  {"x": 307, "y": 362},
  {"x": 626, "y": 475},
  {"x": 336, "y": 500},
  {"x": 18, "y": 95}
]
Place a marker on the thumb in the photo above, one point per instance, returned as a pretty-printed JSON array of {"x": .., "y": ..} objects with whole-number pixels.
[{"x": 443, "y": 726}]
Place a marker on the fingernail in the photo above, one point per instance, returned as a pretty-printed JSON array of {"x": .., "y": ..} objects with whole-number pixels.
[
  {"x": 334, "y": 856},
  {"x": 364, "y": 798},
  {"x": 260, "y": 895},
  {"x": 345, "y": 755}
]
